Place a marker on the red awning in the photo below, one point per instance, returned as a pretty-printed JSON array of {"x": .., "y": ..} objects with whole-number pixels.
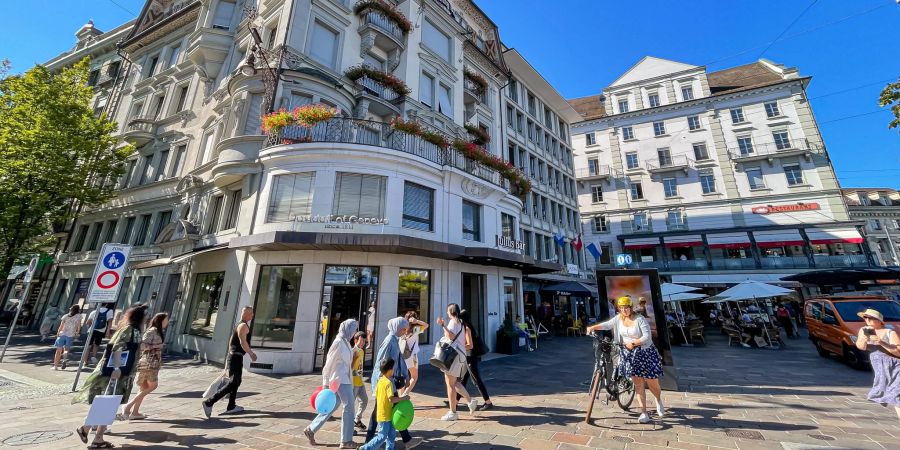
[
  {"x": 641, "y": 243},
  {"x": 689, "y": 240},
  {"x": 730, "y": 245},
  {"x": 728, "y": 240},
  {"x": 777, "y": 238},
  {"x": 639, "y": 246},
  {"x": 684, "y": 244},
  {"x": 845, "y": 235}
]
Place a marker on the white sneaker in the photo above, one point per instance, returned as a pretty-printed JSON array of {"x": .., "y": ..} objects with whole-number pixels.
[
  {"x": 450, "y": 417},
  {"x": 235, "y": 410},
  {"x": 745, "y": 345},
  {"x": 660, "y": 409},
  {"x": 207, "y": 410},
  {"x": 644, "y": 418},
  {"x": 473, "y": 406}
]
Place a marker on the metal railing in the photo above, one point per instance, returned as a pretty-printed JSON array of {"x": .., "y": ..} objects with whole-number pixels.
[
  {"x": 690, "y": 264},
  {"x": 384, "y": 23},
  {"x": 599, "y": 172},
  {"x": 672, "y": 162},
  {"x": 380, "y": 134},
  {"x": 784, "y": 262},
  {"x": 733, "y": 263},
  {"x": 141, "y": 123},
  {"x": 474, "y": 89},
  {"x": 840, "y": 261},
  {"x": 773, "y": 148},
  {"x": 377, "y": 89},
  {"x": 631, "y": 227}
]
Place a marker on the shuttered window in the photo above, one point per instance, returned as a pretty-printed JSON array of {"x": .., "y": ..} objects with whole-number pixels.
[
  {"x": 324, "y": 43},
  {"x": 359, "y": 195},
  {"x": 224, "y": 15},
  {"x": 418, "y": 207},
  {"x": 471, "y": 222},
  {"x": 254, "y": 115},
  {"x": 291, "y": 196},
  {"x": 436, "y": 40}
]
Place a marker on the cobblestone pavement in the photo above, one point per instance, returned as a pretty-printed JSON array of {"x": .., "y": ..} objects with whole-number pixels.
[{"x": 732, "y": 398}]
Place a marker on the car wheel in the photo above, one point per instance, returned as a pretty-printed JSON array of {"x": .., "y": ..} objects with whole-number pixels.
[
  {"x": 822, "y": 352},
  {"x": 853, "y": 358}
]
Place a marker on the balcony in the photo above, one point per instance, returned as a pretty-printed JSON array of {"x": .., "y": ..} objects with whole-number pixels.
[
  {"x": 733, "y": 264},
  {"x": 784, "y": 262},
  {"x": 670, "y": 164},
  {"x": 636, "y": 227},
  {"x": 380, "y": 99},
  {"x": 598, "y": 173},
  {"x": 690, "y": 264},
  {"x": 140, "y": 130},
  {"x": 377, "y": 29},
  {"x": 473, "y": 91},
  {"x": 236, "y": 158},
  {"x": 770, "y": 151}
]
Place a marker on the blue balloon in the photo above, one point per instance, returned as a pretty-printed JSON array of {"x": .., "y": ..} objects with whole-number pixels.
[{"x": 326, "y": 401}]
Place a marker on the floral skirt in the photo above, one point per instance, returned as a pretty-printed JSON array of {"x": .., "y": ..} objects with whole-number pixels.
[
  {"x": 886, "y": 386},
  {"x": 641, "y": 362}
]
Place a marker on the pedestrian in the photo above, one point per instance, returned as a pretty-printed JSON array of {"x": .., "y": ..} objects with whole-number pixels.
[
  {"x": 359, "y": 387},
  {"x": 370, "y": 323},
  {"x": 784, "y": 319},
  {"x": 390, "y": 349},
  {"x": 454, "y": 333},
  {"x": 410, "y": 345},
  {"x": 337, "y": 369},
  {"x": 148, "y": 365},
  {"x": 102, "y": 318},
  {"x": 234, "y": 365},
  {"x": 385, "y": 398},
  {"x": 127, "y": 338},
  {"x": 69, "y": 327},
  {"x": 639, "y": 359},
  {"x": 51, "y": 315},
  {"x": 883, "y": 343},
  {"x": 473, "y": 357}
]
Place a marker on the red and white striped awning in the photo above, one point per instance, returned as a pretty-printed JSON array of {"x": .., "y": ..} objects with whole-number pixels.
[
  {"x": 692, "y": 240},
  {"x": 640, "y": 243},
  {"x": 777, "y": 238},
  {"x": 728, "y": 240},
  {"x": 847, "y": 235}
]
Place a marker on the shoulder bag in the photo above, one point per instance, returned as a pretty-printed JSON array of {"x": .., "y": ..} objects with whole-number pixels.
[{"x": 444, "y": 353}]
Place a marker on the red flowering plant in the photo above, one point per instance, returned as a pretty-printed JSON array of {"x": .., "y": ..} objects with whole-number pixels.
[
  {"x": 274, "y": 122},
  {"x": 387, "y": 79},
  {"x": 479, "y": 135},
  {"x": 310, "y": 115},
  {"x": 476, "y": 79},
  {"x": 386, "y": 9},
  {"x": 407, "y": 126},
  {"x": 479, "y": 154},
  {"x": 435, "y": 138}
]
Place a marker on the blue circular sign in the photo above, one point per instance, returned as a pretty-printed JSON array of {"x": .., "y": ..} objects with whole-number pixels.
[{"x": 114, "y": 260}]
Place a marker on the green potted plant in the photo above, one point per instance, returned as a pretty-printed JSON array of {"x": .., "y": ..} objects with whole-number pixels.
[{"x": 508, "y": 338}]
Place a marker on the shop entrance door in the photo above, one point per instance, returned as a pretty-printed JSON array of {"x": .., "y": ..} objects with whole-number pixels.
[
  {"x": 473, "y": 299},
  {"x": 349, "y": 292}
]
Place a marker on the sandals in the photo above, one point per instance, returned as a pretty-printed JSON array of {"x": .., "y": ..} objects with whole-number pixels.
[
  {"x": 82, "y": 434},
  {"x": 104, "y": 444},
  {"x": 137, "y": 416}
]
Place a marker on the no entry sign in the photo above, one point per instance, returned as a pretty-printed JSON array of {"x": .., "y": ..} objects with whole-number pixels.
[{"x": 108, "y": 273}]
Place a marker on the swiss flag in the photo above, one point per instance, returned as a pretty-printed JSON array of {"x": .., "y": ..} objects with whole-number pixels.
[{"x": 576, "y": 243}]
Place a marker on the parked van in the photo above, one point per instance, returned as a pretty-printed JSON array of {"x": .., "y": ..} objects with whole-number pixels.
[{"x": 833, "y": 324}]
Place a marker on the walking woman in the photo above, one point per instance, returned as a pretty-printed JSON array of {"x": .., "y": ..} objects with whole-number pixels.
[
  {"x": 454, "y": 333},
  {"x": 390, "y": 349},
  {"x": 473, "y": 357},
  {"x": 69, "y": 327},
  {"x": 884, "y": 346},
  {"x": 148, "y": 366},
  {"x": 410, "y": 342},
  {"x": 337, "y": 368},
  {"x": 639, "y": 360},
  {"x": 127, "y": 338}
]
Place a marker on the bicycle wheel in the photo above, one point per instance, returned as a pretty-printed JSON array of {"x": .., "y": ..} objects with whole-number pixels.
[{"x": 626, "y": 392}]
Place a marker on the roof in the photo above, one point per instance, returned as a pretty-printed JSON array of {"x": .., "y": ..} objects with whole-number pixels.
[
  {"x": 751, "y": 75},
  {"x": 590, "y": 107}
]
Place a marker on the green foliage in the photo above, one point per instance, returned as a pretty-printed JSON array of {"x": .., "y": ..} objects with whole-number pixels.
[
  {"x": 54, "y": 154},
  {"x": 891, "y": 96}
]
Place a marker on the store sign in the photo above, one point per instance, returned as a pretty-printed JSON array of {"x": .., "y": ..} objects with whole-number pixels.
[
  {"x": 572, "y": 269},
  {"x": 331, "y": 221},
  {"x": 775, "y": 209},
  {"x": 512, "y": 244}
]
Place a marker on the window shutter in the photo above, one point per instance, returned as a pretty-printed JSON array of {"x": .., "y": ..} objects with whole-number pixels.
[
  {"x": 372, "y": 196},
  {"x": 291, "y": 196},
  {"x": 224, "y": 14},
  {"x": 417, "y": 207},
  {"x": 324, "y": 45}
]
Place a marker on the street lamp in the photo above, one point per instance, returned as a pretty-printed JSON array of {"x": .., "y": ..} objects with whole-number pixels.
[{"x": 271, "y": 75}]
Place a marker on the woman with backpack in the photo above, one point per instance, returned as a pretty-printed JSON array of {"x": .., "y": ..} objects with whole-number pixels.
[
  {"x": 473, "y": 357},
  {"x": 409, "y": 344},
  {"x": 148, "y": 366}
]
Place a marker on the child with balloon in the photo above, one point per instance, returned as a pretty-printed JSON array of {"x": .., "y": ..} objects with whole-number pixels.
[{"x": 385, "y": 399}]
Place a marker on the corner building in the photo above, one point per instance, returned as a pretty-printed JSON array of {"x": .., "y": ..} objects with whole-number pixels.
[
  {"x": 711, "y": 177},
  {"x": 350, "y": 218}
]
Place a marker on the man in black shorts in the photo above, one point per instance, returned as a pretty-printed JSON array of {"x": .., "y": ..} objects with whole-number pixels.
[{"x": 102, "y": 327}]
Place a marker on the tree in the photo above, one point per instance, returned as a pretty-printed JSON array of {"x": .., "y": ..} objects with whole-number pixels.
[
  {"x": 891, "y": 96},
  {"x": 5, "y": 67},
  {"x": 55, "y": 153}
]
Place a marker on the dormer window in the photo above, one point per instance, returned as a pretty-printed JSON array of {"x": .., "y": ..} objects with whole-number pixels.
[
  {"x": 653, "y": 99},
  {"x": 687, "y": 93},
  {"x": 623, "y": 106}
]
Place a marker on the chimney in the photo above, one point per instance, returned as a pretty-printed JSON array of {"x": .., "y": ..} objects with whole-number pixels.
[{"x": 87, "y": 32}]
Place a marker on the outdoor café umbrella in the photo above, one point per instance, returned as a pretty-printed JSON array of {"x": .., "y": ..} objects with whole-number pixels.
[
  {"x": 753, "y": 290},
  {"x": 676, "y": 299},
  {"x": 672, "y": 289}
]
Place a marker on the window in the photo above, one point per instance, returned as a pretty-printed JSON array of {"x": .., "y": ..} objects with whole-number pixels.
[
  {"x": 254, "y": 115},
  {"x": 182, "y": 98},
  {"x": 359, "y": 195},
  {"x": 471, "y": 223},
  {"x": 179, "y": 160},
  {"x": 653, "y": 100},
  {"x": 755, "y": 178},
  {"x": 110, "y": 231},
  {"x": 535, "y": 205},
  {"x": 414, "y": 294},
  {"x": 157, "y": 110},
  {"x": 590, "y": 138},
  {"x": 745, "y": 145},
  {"x": 544, "y": 208},
  {"x": 526, "y": 239},
  {"x": 141, "y": 237},
  {"x": 623, "y": 106},
  {"x": 129, "y": 228},
  {"x": 665, "y": 156},
  {"x": 208, "y": 141},
  {"x": 418, "y": 207},
  {"x": 161, "y": 165},
  {"x": 708, "y": 182},
  {"x": 508, "y": 226},
  {"x": 215, "y": 209},
  {"x": 373, "y": 61},
  {"x": 772, "y": 109},
  {"x": 151, "y": 65},
  {"x": 79, "y": 238},
  {"x": 782, "y": 140},
  {"x": 874, "y": 224},
  {"x": 234, "y": 209},
  {"x": 173, "y": 55},
  {"x": 275, "y": 310},
  {"x": 436, "y": 40},
  {"x": 141, "y": 291},
  {"x": 627, "y": 133},
  {"x": 631, "y": 160},
  {"x": 596, "y": 193},
  {"x": 531, "y": 105},
  {"x": 659, "y": 128},
  {"x": 693, "y": 122},
  {"x": 637, "y": 191},
  {"x": 426, "y": 89},
  {"x": 639, "y": 222},
  {"x": 793, "y": 174},
  {"x": 593, "y": 166},
  {"x": 94, "y": 242},
  {"x": 737, "y": 115},
  {"x": 162, "y": 220},
  {"x": 324, "y": 45},
  {"x": 224, "y": 14},
  {"x": 675, "y": 220},
  {"x": 129, "y": 174},
  {"x": 93, "y": 76},
  {"x": 700, "y": 152},
  {"x": 291, "y": 197},
  {"x": 520, "y": 122},
  {"x": 510, "y": 116},
  {"x": 510, "y": 297},
  {"x": 670, "y": 187},
  {"x": 445, "y": 101},
  {"x": 146, "y": 169},
  {"x": 605, "y": 258},
  {"x": 514, "y": 90},
  {"x": 205, "y": 307},
  {"x": 687, "y": 93},
  {"x": 600, "y": 225},
  {"x": 299, "y": 99}
]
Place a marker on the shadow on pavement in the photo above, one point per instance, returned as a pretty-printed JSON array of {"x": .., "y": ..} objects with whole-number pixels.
[{"x": 180, "y": 440}]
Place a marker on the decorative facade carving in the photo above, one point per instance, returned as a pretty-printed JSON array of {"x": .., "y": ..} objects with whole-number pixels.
[{"x": 475, "y": 189}]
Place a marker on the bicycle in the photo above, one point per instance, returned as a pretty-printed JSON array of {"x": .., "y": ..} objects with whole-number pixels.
[{"x": 607, "y": 374}]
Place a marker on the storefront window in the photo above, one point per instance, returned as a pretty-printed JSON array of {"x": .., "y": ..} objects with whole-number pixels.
[
  {"x": 275, "y": 313},
  {"x": 205, "y": 308},
  {"x": 414, "y": 295},
  {"x": 510, "y": 298}
]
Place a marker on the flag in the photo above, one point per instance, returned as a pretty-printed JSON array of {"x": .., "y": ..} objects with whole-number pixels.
[
  {"x": 594, "y": 251},
  {"x": 560, "y": 239},
  {"x": 577, "y": 244}
]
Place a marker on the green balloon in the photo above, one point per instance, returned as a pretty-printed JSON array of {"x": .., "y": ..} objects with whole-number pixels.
[{"x": 403, "y": 415}]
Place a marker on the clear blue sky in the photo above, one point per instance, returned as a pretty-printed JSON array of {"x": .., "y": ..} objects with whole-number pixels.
[{"x": 850, "y": 48}]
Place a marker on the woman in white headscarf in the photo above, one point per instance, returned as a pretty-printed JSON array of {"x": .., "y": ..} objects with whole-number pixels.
[
  {"x": 390, "y": 348},
  {"x": 338, "y": 369}
]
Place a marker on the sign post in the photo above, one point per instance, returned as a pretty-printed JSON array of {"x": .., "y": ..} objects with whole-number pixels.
[
  {"x": 29, "y": 275},
  {"x": 104, "y": 287}
]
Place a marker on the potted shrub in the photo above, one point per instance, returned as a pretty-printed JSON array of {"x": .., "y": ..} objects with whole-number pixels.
[
  {"x": 407, "y": 126},
  {"x": 508, "y": 338},
  {"x": 479, "y": 136},
  {"x": 477, "y": 80}
]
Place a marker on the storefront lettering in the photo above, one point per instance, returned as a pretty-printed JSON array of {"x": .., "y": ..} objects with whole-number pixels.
[
  {"x": 774, "y": 209},
  {"x": 337, "y": 221},
  {"x": 505, "y": 242}
]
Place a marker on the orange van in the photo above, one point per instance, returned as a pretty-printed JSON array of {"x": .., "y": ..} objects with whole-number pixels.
[{"x": 833, "y": 324}]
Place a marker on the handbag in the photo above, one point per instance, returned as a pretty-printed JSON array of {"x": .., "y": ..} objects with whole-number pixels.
[
  {"x": 404, "y": 345},
  {"x": 444, "y": 353},
  {"x": 104, "y": 407},
  {"x": 126, "y": 358}
]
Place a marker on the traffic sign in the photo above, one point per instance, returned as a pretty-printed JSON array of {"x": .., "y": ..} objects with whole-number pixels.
[
  {"x": 32, "y": 267},
  {"x": 108, "y": 273},
  {"x": 623, "y": 259}
]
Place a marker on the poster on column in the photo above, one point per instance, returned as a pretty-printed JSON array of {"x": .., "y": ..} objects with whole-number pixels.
[{"x": 108, "y": 273}]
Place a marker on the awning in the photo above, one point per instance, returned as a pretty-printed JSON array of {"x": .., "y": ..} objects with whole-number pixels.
[
  {"x": 724, "y": 280},
  {"x": 692, "y": 240},
  {"x": 15, "y": 271},
  {"x": 176, "y": 259},
  {"x": 728, "y": 240},
  {"x": 834, "y": 236},
  {"x": 637, "y": 244},
  {"x": 777, "y": 238},
  {"x": 575, "y": 288}
]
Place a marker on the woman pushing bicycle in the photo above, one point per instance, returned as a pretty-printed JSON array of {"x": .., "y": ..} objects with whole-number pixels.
[{"x": 639, "y": 359}]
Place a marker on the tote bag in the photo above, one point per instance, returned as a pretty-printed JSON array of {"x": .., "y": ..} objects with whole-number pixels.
[
  {"x": 215, "y": 386},
  {"x": 126, "y": 359}
]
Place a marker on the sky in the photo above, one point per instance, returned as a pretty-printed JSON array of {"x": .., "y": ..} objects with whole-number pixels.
[{"x": 851, "y": 48}]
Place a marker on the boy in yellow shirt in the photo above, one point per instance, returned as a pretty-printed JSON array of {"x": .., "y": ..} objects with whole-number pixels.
[
  {"x": 385, "y": 398},
  {"x": 359, "y": 388}
]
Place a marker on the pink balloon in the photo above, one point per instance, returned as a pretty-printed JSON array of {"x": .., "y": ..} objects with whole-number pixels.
[
  {"x": 312, "y": 400},
  {"x": 334, "y": 386}
]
